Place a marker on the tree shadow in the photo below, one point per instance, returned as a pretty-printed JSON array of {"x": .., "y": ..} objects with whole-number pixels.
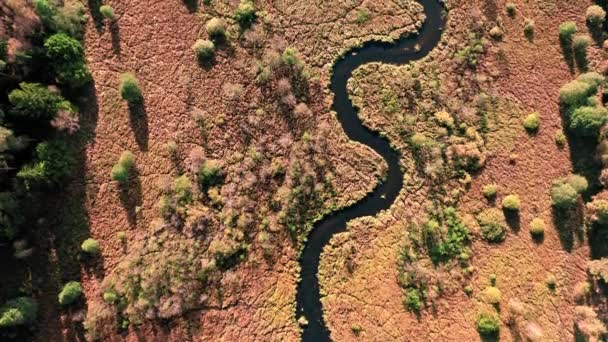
[
  {"x": 95, "y": 14},
  {"x": 115, "y": 32},
  {"x": 138, "y": 118},
  {"x": 580, "y": 57},
  {"x": 569, "y": 225},
  {"x": 598, "y": 241},
  {"x": 513, "y": 220},
  {"x": 131, "y": 196},
  {"x": 566, "y": 45},
  {"x": 489, "y": 337},
  {"x": 191, "y": 5}
]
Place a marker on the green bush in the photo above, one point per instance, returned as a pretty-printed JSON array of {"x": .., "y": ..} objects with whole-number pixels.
[
  {"x": 560, "y": 138},
  {"x": 537, "y": 227},
  {"x": 487, "y": 324},
  {"x": 363, "y": 16},
  {"x": 578, "y": 182},
  {"x": 563, "y": 195},
  {"x": 204, "y": 50},
  {"x": 511, "y": 9},
  {"x": 596, "y": 16},
  {"x": 592, "y": 78},
  {"x": 34, "y": 101},
  {"x": 532, "y": 122},
  {"x": 69, "y": 18},
  {"x": 210, "y": 173},
  {"x": 579, "y": 45},
  {"x": 216, "y": 29},
  {"x": 110, "y": 296},
  {"x": 586, "y": 121},
  {"x": 53, "y": 163},
  {"x": 492, "y": 295},
  {"x": 492, "y": 224},
  {"x": 490, "y": 191},
  {"x": 529, "y": 29},
  {"x": 413, "y": 300},
  {"x": 511, "y": 203},
  {"x": 107, "y": 12},
  {"x": 122, "y": 169},
  {"x": 566, "y": 32},
  {"x": 18, "y": 311},
  {"x": 183, "y": 190},
  {"x": 576, "y": 92},
  {"x": 70, "y": 292},
  {"x": 90, "y": 246},
  {"x": 67, "y": 58},
  {"x": 129, "y": 88},
  {"x": 245, "y": 14}
]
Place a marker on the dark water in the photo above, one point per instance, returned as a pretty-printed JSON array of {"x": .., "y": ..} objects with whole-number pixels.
[{"x": 403, "y": 51}]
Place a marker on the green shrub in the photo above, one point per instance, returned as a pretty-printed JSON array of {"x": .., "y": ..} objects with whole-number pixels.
[
  {"x": 129, "y": 88},
  {"x": 110, "y": 296},
  {"x": 511, "y": 203},
  {"x": 529, "y": 29},
  {"x": 204, "y": 50},
  {"x": 70, "y": 292},
  {"x": 52, "y": 164},
  {"x": 183, "y": 190},
  {"x": 122, "y": 169},
  {"x": 210, "y": 173},
  {"x": 107, "y": 12},
  {"x": 492, "y": 295},
  {"x": 576, "y": 92},
  {"x": 566, "y": 32},
  {"x": 563, "y": 195},
  {"x": 579, "y": 45},
  {"x": 537, "y": 227},
  {"x": 69, "y": 18},
  {"x": 18, "y": 311},
  {"x": 363, "y": 16},
  {"x": 592, "y": 78},
  {"x": 90, "y": 246},
  {"x": 67, "y": 58},
  {"x": 578, "y": 182},
  {"x": 245, "y": 14},
  {"x": 532, "y": 122},
  {"x": 586, "y": 121},
  {"x": 560, "y": 138},
  {"x": 454, "y": 242},
  {"x": 34, "y": 101},
  {"x": 413, "y": 300},
  {"x": 487, "y": 324},
  {"x": 596, "y": 15},
  {"x": 511, "y": 9},
  {"x": 216, "y": 29},
  {"x": 490, "y": 191},
  {"x": 492, "y": 224}
]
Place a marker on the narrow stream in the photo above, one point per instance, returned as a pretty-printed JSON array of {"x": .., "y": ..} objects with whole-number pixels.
[{"x": 405, "y": 50}]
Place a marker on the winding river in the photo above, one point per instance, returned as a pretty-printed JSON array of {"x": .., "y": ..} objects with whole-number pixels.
[{"x": 405, "y": 50}]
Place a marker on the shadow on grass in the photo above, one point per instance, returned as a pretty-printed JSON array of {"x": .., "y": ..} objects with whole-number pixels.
[
  {"x": 95, "y": 14},
  {"x": 115, "y": 32},
  {"x": 569, "y": 224},
  {"x": 489, "y": 337},
  {"x": 513, "y": 220},
  {"x": 566, "y": 45},
  {"x": 138, "y": 117},
  {"x": 191, "y": 5},
  {"x": 598, "y": 241}
]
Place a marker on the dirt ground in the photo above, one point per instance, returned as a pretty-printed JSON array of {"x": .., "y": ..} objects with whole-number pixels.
[{"x": 526, "y": 76}]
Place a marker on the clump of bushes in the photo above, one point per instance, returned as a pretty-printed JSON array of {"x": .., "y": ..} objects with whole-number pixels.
[
  {"x": 565, "y": 191},
  {"x": 597, "y": 211},
  {"x": 413, "y": 300},
  {"x": 210, "y": 173},
  {"x": 69, "y": 18},
  {"x": 70, "y": 292},
  {"x": 122, "y": 169},
  {"x": 584, "y": 114},
  {"x": 532, "y": 122},
  {"x": 537, "y": 227},
  {"x": 18, "y": 311},
  {"x": 90, "y": 247},
  {"x": 129, "y": 88},
  {"x": 487, "y": 324},
  {"x": 245, "y": 14},
  {"x": 587, "y": 120},
  {"x": 204, "y": 50},
  {"x": 216, "y": 29},
  {"x": 511, "y": 203},
  {"x": 67, "y": 58},
  {"x": 566, "y": 32},
  {"x": 53, "y": 163},
  {"x": 492, "y": 224},
  {"x": 34, "y": 101}
]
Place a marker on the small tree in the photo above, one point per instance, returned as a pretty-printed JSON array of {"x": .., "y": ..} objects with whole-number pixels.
[
  {"x": 492, "y": 224},
  {"x": 34, "y": 101},
  {"x": 576, "y": 92},
  {"x": 532, "y": 122},
  {"x": 67, "y": 58},
  {"x": 209, "y": 173},
  {"x": 90, "y": 247},
  {"x": 122, "y": 169},
  {"x": 529, "y": 29},
  {"x": 566, "y": 32},
  {"x": 586, "y": 121},
  {"x": 563, "y": 195},
  {"x": 245, "y": 14},
  {"x": 490, "y": 191},
  {"x": 204, "y": 50},
  {"x": 53, "y": 163},
  {"x": 537, "y": 227},
  {"x": 70, "y": 292},
  {"x": 129, "y": 88},
  {"x": 511, "y": 203},
  {"x": 487, "y": 324}
]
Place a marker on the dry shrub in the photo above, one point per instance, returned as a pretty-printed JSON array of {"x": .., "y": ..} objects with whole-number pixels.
[
  {"x": 588, "y": 323},
  {"x": 195, "y": 159}
]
